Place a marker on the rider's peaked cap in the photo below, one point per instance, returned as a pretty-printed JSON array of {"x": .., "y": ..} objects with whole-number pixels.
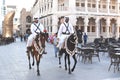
[
  {"x": 62, "y": 17},
  {"x": 35, "y": 18},
  {"x": 66, "y": 16}
]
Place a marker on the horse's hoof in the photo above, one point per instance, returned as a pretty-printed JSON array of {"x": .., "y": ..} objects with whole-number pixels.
[
  {"x": 30, "y": 67},
  {"x": 65, "y": 68},
  {"x": 69, "y": 72},
  {"x": 27, "y": 51},
  {"x": 72, "y": 70},
  {"x": 60, "y": 66},
  {"x": 32, "y": 64},
  {"x": 38, "y": 74}
]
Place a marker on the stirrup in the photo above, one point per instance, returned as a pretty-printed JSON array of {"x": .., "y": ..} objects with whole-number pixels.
[
  {"x": 27, "y": 51},
  {"x": 44, "y": 52}
]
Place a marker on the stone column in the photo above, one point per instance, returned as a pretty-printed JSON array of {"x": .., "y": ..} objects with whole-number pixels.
[
  {"x": 107, "y": 27},
  {"x": 72, "y": 10},
  {"x": 72, "y": 6},
  {"x": 55, "y": 6},
  {"x": 97, "y": 5},
  {"x": 108, "y": 4},
  {"x": 46, "y": 4},
  {"x": 117, "y": 28},
  {"x": 118, "y": 4},
  {"x": 54, "y": 17},
  {"x": 85, "y": 24},
  {"x": 73, "y": 19},
  {"x": 43, "y": 7},
  {"x": 54, "y": 23},
  {"x": 50, "y": 25},
  {"x": 97, "y": 27},
  {"x": 86, "y": 7}
]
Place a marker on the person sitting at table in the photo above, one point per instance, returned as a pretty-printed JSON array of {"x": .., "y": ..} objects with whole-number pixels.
[{"x": 102, "y": 41}]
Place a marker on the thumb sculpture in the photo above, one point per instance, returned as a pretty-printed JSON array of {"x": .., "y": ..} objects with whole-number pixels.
[{"x": 8, "y": 24}]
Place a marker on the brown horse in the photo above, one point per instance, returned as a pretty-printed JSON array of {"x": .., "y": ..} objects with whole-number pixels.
[{"x": 37, "y": 49}]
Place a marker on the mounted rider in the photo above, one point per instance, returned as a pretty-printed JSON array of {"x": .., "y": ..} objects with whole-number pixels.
[
  {"x": 64, "y": 31},
  {"x": 36, "y": 28}
]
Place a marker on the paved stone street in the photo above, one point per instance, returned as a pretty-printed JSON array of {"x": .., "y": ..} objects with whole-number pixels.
[{"x": 14, "y": 66}]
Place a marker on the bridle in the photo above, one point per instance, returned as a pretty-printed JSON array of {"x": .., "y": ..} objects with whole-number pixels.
[{"x": 74, "y": 42}]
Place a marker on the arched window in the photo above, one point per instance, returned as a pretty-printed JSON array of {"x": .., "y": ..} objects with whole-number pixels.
[{"x": 28, "y": 19}]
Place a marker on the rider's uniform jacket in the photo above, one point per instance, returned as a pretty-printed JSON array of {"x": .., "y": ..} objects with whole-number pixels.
[
  {"x": 65, "y": 29},
  {"x": 36, "y": 28}
]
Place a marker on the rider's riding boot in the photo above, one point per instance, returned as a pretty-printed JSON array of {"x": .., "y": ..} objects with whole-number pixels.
[
  {"x": 63, "y": 45},
  {"x": 44, "y": 52}
]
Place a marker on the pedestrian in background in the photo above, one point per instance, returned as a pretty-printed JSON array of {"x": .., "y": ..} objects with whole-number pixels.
[
  {"x": 55, "y": 42},
  {"x": 85, "y": 37},
  {"x": 21, "y": 37},
  {"x": 79, "y": 35}
]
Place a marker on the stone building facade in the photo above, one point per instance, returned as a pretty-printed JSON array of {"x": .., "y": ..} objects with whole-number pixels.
[
  {"x": 94, "y": 17},
  {"x": 25, "y": 21}
]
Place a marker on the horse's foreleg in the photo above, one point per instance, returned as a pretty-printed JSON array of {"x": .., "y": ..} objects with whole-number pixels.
[
  {"x": 38, "y": 62},
  {"x": 28, "y": 54},
  {"x": 65, "y": 58},
  {"x": 33, "y": 58},
  {"x": 59, "y": 61},
  {"x": 60, "y": 52},
  {"x": 75, "y": 62},
  {"x": 38, "y": 71},
  {"x": 69, "y": 64}
]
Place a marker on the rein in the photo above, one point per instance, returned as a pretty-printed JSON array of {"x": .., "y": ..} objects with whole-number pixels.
[
  {"x": 72, "y": 42},
  {"x": 38, "y": 44}
]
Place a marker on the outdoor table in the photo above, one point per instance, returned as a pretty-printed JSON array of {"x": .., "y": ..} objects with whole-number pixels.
[
  {"x": 117, "y": 54},
  {"x": 115, "y": 46},
  {"x": 87, "y": 53},
  {"x": 85, "y": 48},
  {"x": 117, "y": 50}
]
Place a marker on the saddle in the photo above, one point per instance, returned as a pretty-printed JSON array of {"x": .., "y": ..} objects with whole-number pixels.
[{"x": 61, "y": 47}]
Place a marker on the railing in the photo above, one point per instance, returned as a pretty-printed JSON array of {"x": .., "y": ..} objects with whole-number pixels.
[
  {"x": 103, "y": 10},
  {"x": 61, "y": 8},
  {"x": 80, "y": 9},
  {"x": 92, "y": 9}
]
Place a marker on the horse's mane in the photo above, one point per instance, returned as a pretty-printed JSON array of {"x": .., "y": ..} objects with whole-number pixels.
[{"x": 70, "y": 44}]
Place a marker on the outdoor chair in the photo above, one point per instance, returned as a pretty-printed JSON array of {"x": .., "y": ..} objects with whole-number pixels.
[
  {"x": 79, "y": 52},
  {"x": 114, "y": 60},
  {"x": 96, "y": 54},
  {"x": 87, "y": 55}
]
